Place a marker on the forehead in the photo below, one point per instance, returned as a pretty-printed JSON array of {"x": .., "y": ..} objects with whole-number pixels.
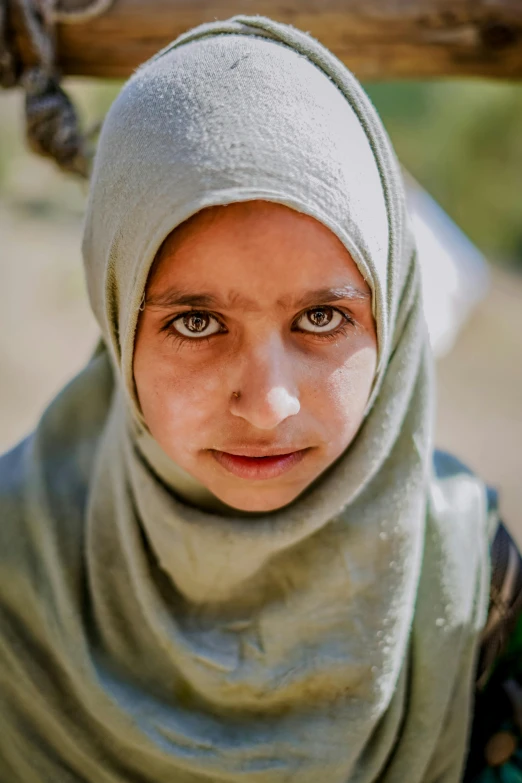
[{"x": 257, "y": 245}]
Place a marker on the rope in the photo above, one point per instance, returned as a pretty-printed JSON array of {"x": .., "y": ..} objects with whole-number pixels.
[
  {"x": 9, "y": 65},
  {"x": 52, "y": 125},
  {"x": 89, "y": 11}
]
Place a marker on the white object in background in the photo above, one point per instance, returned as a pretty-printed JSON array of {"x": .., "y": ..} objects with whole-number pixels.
[{"x": 455, "y": 275}]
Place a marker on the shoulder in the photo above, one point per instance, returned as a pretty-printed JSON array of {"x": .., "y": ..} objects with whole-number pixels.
[
  {"x": 13, "y": 472},
  {"x": 456, "y": 485},
  {"x": 457, "y": 492},
  {"x": 456, "y": 559},
  {"x": 446, "y": 464},
  {"x": 456, "y": 482},
  {"x": 58, "y": 454},
  {"x": 44, "y": 483}
]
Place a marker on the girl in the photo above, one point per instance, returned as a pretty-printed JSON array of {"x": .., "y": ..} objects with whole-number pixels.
[{"x": 229, "y": 552}]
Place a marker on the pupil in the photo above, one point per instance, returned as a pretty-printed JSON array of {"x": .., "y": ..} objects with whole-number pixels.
[
  {"x": 196, "y": 323},
  {"x": 320, "y": 317}
]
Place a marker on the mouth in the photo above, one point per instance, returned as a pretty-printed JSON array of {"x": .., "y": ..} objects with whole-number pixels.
[{"x": 259, "y": 466}]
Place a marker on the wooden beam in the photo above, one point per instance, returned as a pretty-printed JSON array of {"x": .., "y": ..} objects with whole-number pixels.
[{"x": 377, "y": 39}]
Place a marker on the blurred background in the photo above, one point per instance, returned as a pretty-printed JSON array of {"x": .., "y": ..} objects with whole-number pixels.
[{"x": 462, "y": 141}]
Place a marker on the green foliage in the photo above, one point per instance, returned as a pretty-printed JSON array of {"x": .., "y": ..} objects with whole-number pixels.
[{"x": 463, "y": 142}]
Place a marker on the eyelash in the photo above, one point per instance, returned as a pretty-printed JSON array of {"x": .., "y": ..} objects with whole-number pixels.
[{"x": 173, "y": 334}]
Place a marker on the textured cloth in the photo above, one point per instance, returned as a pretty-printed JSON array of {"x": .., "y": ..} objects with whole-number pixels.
[
  {"x": 495, "y": 754},
  {"x": 505, "y": 603},
  {"x": 496, "y": 743},
  {"x": 143, "y": 639}
]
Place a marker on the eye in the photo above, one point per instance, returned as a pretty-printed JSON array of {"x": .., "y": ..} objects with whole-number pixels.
[
  {"x": 320, "y": 319},
  {"x": 196, "y": 324}
]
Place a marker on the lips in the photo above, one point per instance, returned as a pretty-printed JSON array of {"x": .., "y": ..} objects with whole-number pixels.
[{"x": 259, "y": 468}]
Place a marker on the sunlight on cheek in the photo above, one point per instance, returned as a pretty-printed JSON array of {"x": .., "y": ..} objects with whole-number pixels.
[{"x": 348, "y": 387}]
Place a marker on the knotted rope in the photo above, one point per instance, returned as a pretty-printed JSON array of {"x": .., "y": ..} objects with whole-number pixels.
[{"x": 52, "y": 125}]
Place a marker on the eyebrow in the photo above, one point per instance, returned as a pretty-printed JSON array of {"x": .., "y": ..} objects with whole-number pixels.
[{"x": 176, "y": 298}]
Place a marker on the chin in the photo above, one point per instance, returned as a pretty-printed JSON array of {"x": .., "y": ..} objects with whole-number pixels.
[{"x": 254, "y": 500}]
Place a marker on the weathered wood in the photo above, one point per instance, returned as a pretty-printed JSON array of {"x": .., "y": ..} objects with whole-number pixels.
[{"x": 377, "y": 39}]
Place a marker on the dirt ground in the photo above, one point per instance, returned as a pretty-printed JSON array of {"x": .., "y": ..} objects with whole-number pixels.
[
  {"x": 480, "y": 394},
  {"x": 47, "y": 332}
]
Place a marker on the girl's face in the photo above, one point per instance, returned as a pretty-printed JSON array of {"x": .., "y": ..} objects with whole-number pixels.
[{"x": 256, "y": 351}]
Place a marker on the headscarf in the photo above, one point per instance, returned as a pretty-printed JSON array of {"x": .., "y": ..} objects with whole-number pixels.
[{"x": 147, "y": 640}]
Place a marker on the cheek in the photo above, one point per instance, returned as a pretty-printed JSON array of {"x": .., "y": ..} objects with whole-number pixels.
[
  {"x": 346, "y": 390},
  {"x": 178, "y": 400}
]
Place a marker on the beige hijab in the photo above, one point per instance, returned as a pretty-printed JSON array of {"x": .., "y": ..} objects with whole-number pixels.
[{"x": 146, "y": 640}]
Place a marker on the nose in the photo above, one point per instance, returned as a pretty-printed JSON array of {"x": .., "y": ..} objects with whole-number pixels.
[{"x": 267, "y": 394}]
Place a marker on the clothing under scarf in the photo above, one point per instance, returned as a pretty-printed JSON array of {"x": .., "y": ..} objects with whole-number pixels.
[{"x": 147, "y": 639}]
